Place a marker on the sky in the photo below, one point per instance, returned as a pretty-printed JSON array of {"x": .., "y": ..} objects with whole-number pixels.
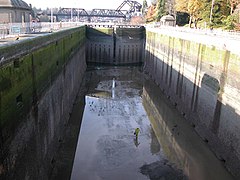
[{"x": 85, "y": 4}]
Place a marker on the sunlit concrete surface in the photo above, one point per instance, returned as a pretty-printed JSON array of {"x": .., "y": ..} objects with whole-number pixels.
[
  {"x": 107, "y": 148},
  {"x": 16, "y": 38},
  {"x": 210, "y": 38}
]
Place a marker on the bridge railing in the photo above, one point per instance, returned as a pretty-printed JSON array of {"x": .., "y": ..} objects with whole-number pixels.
[{"x": 14, "y": 29}]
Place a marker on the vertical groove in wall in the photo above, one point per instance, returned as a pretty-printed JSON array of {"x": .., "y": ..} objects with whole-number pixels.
[
  {"x": 136, "y": 54},
  {"x": 128, "y": 53},
  {"x": 132, "y": 54},
  {"x": 42, "y": 66},
  {"x": 119, "y": 54},
  {"x": 34, "y": 87},
  {"x": 223, "y": 79},
  {"x": 109, "y": 54},
  {"x": 193, "y": 80},
  {"x": 171, "y": 63},
  {"x": 100, "y": 52},
  {"x": 125, "y": 45},
  {"x": 196, "y": 76},
  {"x": 124, "y": 53},
  {"x": 95, "y": 53},
  {"x": 179, "y": 68},
  {"x": 167, "y": 61},
  {"x": 114, "y": 43}
]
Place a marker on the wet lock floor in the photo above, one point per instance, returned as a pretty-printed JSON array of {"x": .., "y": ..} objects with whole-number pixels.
[{"x": 118, "y": 101}]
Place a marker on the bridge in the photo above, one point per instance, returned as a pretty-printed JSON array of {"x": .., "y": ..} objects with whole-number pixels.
[{"x": 134, "y": 7}]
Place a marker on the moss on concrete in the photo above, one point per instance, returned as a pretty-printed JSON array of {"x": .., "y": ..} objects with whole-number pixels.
[
  {"x": 212, "y": 58},
  {"x": 30, "y": 67},
  {"x": 99, "y": 32}
]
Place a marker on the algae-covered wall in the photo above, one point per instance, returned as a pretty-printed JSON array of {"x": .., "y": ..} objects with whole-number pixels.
[
  {"x": 39, "y": 80},
  {"x": 201, "y": 80}
]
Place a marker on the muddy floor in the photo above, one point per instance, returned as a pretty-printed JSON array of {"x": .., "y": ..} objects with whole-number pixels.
[{"x": 107, "y": 148}]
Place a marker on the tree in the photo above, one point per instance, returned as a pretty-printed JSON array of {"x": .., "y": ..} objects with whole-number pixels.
[
  {"x": 216, "y": 12},
  {"x": 233, "y": 5},
  {"x": 192, "y": 7},
  {"x": 229, "y": 22},
  {"x": 181, "y": 5},
  {"x": 220, "y": 11},
  {"x": 144, "y": 7},
  {"x": 161, "y": 9},
  {"x": 232, "y": 21},
  {"x": 151, "y": 13},
  {"x": 136, "y": 20},
  {"x": 206, "y": 10}
]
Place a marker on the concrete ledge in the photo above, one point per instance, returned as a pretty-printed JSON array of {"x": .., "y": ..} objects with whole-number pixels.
[{"x": 20, "y": 48}]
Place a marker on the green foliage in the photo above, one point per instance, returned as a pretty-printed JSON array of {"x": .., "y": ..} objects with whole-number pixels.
[
  {"x": 181, "y": 5},
  {"x": 5, "y": 83},
  {"x": 161, "y": 9},
  {"x": 200, "y": 10},
  {"x": 144, "y": 7},
  {"x": 192, "y": 7},
  {"x": 220, "y": 12},
  {"x": 229, "y": 22},
  {"x": 206, "y": 8},
  {"x": 21, "y": 76},
  {"x": 195, "y": 8}
]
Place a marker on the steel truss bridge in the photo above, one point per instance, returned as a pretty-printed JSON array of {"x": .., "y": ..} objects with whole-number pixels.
[{"x": 134, "y": 7}]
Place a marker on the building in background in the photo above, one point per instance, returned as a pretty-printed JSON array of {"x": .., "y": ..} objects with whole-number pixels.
[{"x": 14, "y": 11}]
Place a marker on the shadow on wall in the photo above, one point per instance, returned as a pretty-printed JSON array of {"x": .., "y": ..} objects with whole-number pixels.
[
  {"x": 198, "y": 96},
  {"x": 92, "y": 33},
  {"x": 115, "y": 46},
  {"x": 99, "y": 45},
  {"x": 35, "y": 103},
  {"x": 183, "y": 147}
]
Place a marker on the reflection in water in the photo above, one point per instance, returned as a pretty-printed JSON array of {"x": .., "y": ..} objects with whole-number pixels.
[
  {"x": 162, "y": 170},
  {"x": 112, "y": 151},
  {"x": 113, "y": 83},
  {"x": 155, "y": 146},
  {"x": 167, "y": 147},
  {"x": 136, "y": 142},
  {"x": 113, "y": 88},
  {"x": 178, "y": 140}
]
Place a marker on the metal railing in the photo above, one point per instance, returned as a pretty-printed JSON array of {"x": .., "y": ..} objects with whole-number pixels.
[{"x": 14, "y": 29}]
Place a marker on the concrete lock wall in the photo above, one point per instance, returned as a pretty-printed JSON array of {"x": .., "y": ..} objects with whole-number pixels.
[
  {"x": 40, "y": 77},
  {"x": 39, "y": 81},
  {"x": 201, "y": 80},
  {"x": 116, "y": 46}
]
